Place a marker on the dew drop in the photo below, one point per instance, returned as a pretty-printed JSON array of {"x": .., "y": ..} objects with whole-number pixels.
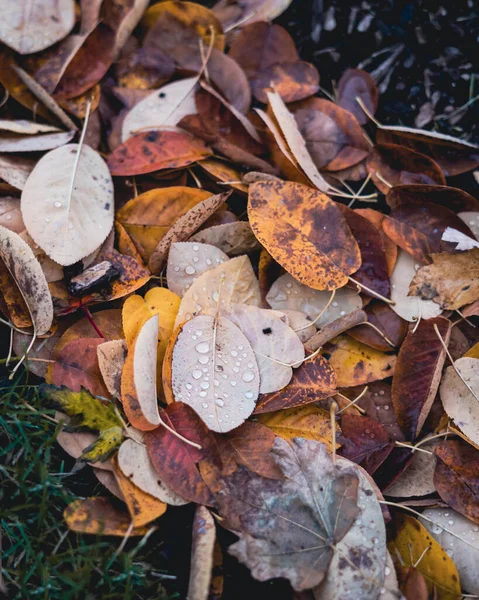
[
  {"x": 249, "y": 395},
  {"x": 203, "y": 347},
  {"x": 233, "y": 383},
  {"x": 188, "y": 386},
  {"x": 196, "y": 247},
  {"x": 202, "y": 394},
  {"x": 208, "y": 261},
  {"x": 475, "y": 528},
  {"x": 204, "y": 405},
  {"x": 387, "y": 571},
  {"x": 199, "y": 333},
  {"x": 203, "y": 360},
  {"x": 189, "y": 270},
  {"x": 9, "y": 217},
  {"x": 177, "y": 269},
  {"x": 219, "y": 402},
  {"x": 451, "y": 522},
  {"x": 58, "y": 204},
  {"x": 234, "y": 353},
  {"x": 215, "y": 295},
  {"x": 248, "y": 376},
  {"x": 47, "y": 219},
  {"x": 335, "y": 304},
  {"x": 196, "y": 374},
  {"x": 450, "y": 552},
  {"x": 195, "y": 259},
  {"x": 204, "y": 385}
]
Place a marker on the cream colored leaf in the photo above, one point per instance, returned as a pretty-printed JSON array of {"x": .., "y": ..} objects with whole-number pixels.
[
  {"x": 164, "y": 107},
  {"x": 300, "y": 323},
  {"x": 67, "y": 203},
  {"x": 135, "y": 464},
  {"x": 144, "y": 365},
  {"x": 34, "y": 143},
  {"x": 409, "y": 308},
  {"x": 471, "y": 219},
  {"x": 187, "y": 261},
  {"x": 26, "y": 127},
  {"x": 214, "y": 370},
  {"x": 30, "y": 26},
  {"x": 273, "y": 343},
  {"x": 28, "y": 275},
  {"x": 418, "y": 477},
  {"x": 288, "y": 293},
  {"x": 11, "y": 215},
  {"x": 111, "y": 358},
  {"x": 108, "y": 480},
  {"x": 15, "y": 170},
  {"x": 460, "y": 400},
  {"x": 202, "y": 552},
  {"x": 462, "y": 241},
  {"x": 232, "y": 238},
  {"x": 233, "y": 282},
  {"x": 52, "y": 270},
  {"x": 460, "y": 538}
]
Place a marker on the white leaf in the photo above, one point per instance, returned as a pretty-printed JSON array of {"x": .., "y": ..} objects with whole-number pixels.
[
  {"x": 164, "y": 107},
  {"x": 144, "y": 368},
  {"x": 463, "y": 547},
  {"x": 111, "y": 358},
  {"x": 231, "y": 238},
  {"x": 214, "y": 370},
  {"x": 471, "y": 219},
  {"x": 299, "y": 323},
  {"x": 67, "y": 206},
  {"x": 28, "y": 275},
  {"x": 187, "y": 261},
  {"x": 288, "y": 293},
  {"x": 458, "y": 400},
  {"x": 202, "y": 554},
  {"x": 135, "y": 464},
  {"x": 15, "y": 170},
  {"x": 233, "y": 282},
  {"x": 30, "y": 26},
  {"x": 272, "y": 340},
  {"x": 409, "y": 308},
  {"x": 26, "y": 127},
  {"x": 34, "y": 143},
  {"x": 418, "y": 477},
  {"x": 464, "y": 242}
]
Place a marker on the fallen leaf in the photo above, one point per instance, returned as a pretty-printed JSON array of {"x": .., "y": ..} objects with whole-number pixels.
[
  {"x": 232, "y": 238},
  {"x": 418, "y": 477},
  {"x": 108, "y": 480},
  {"x": 377, "y": 403},
  {"x": 471, "y": 218},
  {"x": 155, "y": 150},
  {"x": 458, "y": 535},
  {"x": 28, "y": 276},
  {"x": 455, "y": 477},
  {"x": 357, "y": 83},
  {"x": 292, "y": 81},
  {"x": 332, "y": 330},
  {"x": 312, "y": 381},
  {"x": 10, "y": 214},
  {"x": 390, "y": 248},
  {"x": 135, "y": 464},
  {"x": 31, "y": 28},
  {"x": 100, "y": 516},
  {"x": 418, "y": 373},
  {"x": 411, "y": 542},
  {"x": 410, "y": 308},
  {"x": 451, "y": 280},
  {"x": 308, "y": 422},
  {"x": 15, "y": 170},
  {"x": 205, "y": 351},
  {"x": 111, "y": 358},
  {"x": 174, "y": 460},
  {"x": 202, "y": 551},
  {"x": 287, "y": 293},
  {"x": 184, "y": 227},
  {"x": 76, "y": 194},
  {"x": 233, "y": 282},
  {"x": 463, "y": 242},
  {"x": 247, "y": 11},
  {"x": 459, "y": 399},
  {"x": 305, "y": 232},
  {"x": 452, "y": 198},
  {"x": 386, "y": 320},
  {"x": 356, "y": 364},
  {"x": 365, "y": 441}
]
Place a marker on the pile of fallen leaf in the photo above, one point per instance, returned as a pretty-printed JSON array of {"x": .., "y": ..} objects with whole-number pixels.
[{"x": 238, "y": 299}]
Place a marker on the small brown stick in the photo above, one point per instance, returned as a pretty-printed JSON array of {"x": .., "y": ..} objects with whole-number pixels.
[{"x": 330, "y": 331}]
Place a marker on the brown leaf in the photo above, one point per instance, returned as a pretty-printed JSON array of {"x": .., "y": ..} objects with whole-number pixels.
[
  {"x": 365, "y": 441},
  {"x": 305, "y": 232},
  {"x": 390, "y": 248},
  {"x": 451, "y": 280},
  {"x": 377, "y": 402},
  {"x": 335, "y": 328},
  {"x": 314, "y": 380},
  {"x": 293, "y": 81},
  {"x": 418, "y": 374},
  {"x": 387, "y": 321},
  {"x": 400, "y": 165},
  {"x": 357, "y": 83},
  {"x": 184, "y": 227},
  {"x": 174, "y": 460},
  {"x": 155, "y": 150},
  {"x": 452, "y": 198},
  {"x": 455, "y": 477},
  {"x": 100, "y": 516},
  {"x": 111, "y": 359}
]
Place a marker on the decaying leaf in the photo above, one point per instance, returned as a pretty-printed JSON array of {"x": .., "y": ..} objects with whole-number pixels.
[
  {"x": 204, "y": 535},
  {"x": 231, "y": 238},
  {"x": 418, "y": 477},
  {"x": 356, "y": 83},
  {"x": 111, "y": 358},
  {"x": 366, "y": 441}
]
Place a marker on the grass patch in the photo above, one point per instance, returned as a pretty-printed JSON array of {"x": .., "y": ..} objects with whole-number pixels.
[{"x": 40, "y": 557}]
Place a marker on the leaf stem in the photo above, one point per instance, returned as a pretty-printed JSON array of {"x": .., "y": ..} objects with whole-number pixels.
[
  {"x": 372, "y": 292},
  {"x": 89, "y": 316}
]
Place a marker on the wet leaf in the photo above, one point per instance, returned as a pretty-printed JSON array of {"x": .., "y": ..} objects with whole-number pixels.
[
  {"x": 417, "y": 479},
  {"x": 357, "y": 83},
  {"x": 418, "y": 374},
  {"x": 366, "y": 441},
  {"x": 305, "y": 232},
  {"x": 232, "y": 238},
  {"x": 452, "y": 198},
  {"x": 100, "y": 516},
  {"x": 390, "y": 248}
]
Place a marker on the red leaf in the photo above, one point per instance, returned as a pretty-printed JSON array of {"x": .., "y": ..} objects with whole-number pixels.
[{"x": 366, "y": 442}]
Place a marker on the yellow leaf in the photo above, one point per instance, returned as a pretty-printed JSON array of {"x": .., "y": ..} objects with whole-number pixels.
[
  {"x": 104, "y": 445},
  {"x": 355, "y": 363},
  {"x": 134, "y": 315},
  {"x": 100, "y": 516},
  {"x": 473, "y": 352},
  {"x": 308, "y": 422},
  {"x": 414, "y": 546}
]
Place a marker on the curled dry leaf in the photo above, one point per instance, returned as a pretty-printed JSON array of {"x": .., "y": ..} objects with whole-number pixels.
[
  {"x": 30, "y": 28},
  {"x": 459, "y": 536},
  {"x": 451, "y": 280},
  {"x": 111, "y": 359},
  {"x": 287, "y": 293},
  {"x": 184, "y": 227},
  {"x": 418, "y": 374},
  {"x": 202, "y": 551},
  {"x": 312, "y": 381},
  {"x": 28, "y": 276},
  {"x": 353, "y": 84},
  {"x": 76, "y": 193},
  {"x": 164, "y": 107},
  {"x": 135, "y": 464},
  {"x": 455, "y": 477},
  {"x": 187, "y": 261},
  {"x": 412, "y": 546},
  {"x": 15, "y": 170},
  {"x": 205, "y": 375},
  {"x": 276, "y": 346},
  {"x": 100, "y": 516},
  {"x": 232, "y": 238},
  {"x": 460, "y": 396},
  {"x": 156, "y": 150},
  {"x": 305, "y": 232},
  {"x": 12, "y": 142},
  {"x": 400, "y": 165},
  {"x": 233, "y": 282},
  {"x": 410, "y": 308},
  {"x": 248, "y": 11},
  {"x": 356, "y": 364},
  {"x": 308, "y": 422}
]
